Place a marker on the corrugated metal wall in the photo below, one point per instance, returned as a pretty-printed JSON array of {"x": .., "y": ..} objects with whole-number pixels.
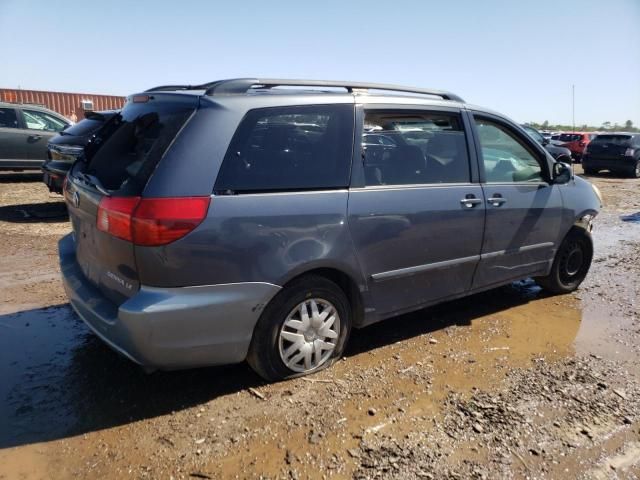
[{"x": 61, "y": 102}]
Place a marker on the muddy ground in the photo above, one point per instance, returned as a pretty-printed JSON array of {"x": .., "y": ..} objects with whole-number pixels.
[{"x": 511, "y": 383}]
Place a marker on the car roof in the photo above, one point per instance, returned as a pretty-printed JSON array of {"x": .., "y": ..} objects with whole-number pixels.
[
  {"x": 249, "y": 93},
  {"x": 33, "y": 106}
]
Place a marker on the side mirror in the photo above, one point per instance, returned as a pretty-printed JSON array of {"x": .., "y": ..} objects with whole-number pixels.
[
  {"x": 561, "y": 173},
  {"x": 545, "y": 141}
]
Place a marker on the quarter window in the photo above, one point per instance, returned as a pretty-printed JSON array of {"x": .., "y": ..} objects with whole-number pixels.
[
  {"x": 8, "y": 118},
  {"x": 289, "y": 148},
  {"x": 505, "y": 157},
  {"x": 43, "y": 121},
  {"x": 407, "y": 147}
]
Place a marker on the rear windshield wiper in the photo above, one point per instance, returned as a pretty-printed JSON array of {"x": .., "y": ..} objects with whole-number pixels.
[{"x": 94, "y": 182}]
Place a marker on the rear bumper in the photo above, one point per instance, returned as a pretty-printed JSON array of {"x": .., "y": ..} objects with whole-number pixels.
[
  {"x": 617, "y": 162},
  {"x": 169, "y": 328}
]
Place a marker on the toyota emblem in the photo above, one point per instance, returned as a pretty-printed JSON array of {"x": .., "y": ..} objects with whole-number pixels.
[{"x": 75, "y": 198}]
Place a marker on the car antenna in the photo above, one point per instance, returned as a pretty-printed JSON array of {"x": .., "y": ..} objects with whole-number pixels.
[{"x": 573, "y": 122}]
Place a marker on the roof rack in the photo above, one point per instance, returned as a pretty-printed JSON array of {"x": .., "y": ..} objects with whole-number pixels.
[{"x": 239, "y": 86}]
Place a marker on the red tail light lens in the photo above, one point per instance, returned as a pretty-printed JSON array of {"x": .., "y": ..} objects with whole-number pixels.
[
  {"x": 114, "y": 216},
  {"x": 582, "y": 144},
  {"x": 151, "y": 221},
  {"x": 158, "y": 221}
]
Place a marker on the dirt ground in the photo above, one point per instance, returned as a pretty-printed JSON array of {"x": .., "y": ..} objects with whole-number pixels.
[{"x": 511, "y": 383}]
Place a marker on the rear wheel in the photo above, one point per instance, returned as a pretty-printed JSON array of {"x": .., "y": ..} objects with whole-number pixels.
[
  {"x": 571, "y": 264},
  {"x": 303, "y": 330},
  {"x": 635, "y": 173}
]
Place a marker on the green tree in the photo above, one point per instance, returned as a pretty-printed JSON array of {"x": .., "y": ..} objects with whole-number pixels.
[
  {"x": 606, "y": 126},
  {"x": 545, "y": 124},
  {"x": 628, "y": 125}
]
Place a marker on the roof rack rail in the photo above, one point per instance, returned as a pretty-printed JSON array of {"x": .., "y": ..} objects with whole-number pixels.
[{"x": 242, "y": 85}]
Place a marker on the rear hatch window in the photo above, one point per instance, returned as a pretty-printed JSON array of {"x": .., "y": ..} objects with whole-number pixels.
[
  {"x": 83, "y": 127},
  {"x": 132, "y": 143},
  {"x": 570, "y": 137},
  {"x": 622, "y": 140},
  {"x": 120, "y": 161},
  {"x": 608, "y": 145}
]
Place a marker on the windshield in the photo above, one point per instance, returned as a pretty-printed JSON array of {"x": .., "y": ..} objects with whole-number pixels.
[{"x": 534, "y": 134}]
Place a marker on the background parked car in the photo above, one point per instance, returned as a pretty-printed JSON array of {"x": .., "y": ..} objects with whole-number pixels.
[
  {"x": 64, "y": 149},
  {"x": 561, "y": 154},
  {"x": 576, "y": 142},
  {"x": 616, "y": 152},
  {"x": 24, "y": 132}
]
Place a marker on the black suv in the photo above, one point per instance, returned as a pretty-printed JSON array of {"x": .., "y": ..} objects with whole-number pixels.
[
  {"x": 66, "y": 148},
  {"x": 617, "y": 152},
  {"x": 24, "y": 132}
]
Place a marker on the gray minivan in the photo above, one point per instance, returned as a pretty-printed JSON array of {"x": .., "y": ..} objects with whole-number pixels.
[{"x": 263, "y": 219}]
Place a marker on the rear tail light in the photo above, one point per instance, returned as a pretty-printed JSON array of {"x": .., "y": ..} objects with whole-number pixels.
[
  {"x": 115, "y": 216},
  {"x": 629, "y": 152},
  {"x": 582, "y": 144},
  {"x": 151, "y": 221}
]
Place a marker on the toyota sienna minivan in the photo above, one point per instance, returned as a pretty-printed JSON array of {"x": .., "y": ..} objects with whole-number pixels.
[{"x": 265, "y": 220}]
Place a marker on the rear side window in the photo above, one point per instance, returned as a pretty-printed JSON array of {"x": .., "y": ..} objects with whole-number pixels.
[
  {"x": 8, "y": 118},
  {"x": 131, "y": 144},
  {"x": 414, "y": 147},
  {"x": 289, "y": 148}
]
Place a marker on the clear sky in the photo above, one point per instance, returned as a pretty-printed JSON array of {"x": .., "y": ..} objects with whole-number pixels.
[{"x": 515, "y": 56}]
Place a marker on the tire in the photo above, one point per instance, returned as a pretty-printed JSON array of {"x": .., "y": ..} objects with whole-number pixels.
[
  {"x": 635, "y": 172},
  {"x": 571, "y": 264},
  {"x": 590, "y": 171},
  {"x": 282, "y": 334}
]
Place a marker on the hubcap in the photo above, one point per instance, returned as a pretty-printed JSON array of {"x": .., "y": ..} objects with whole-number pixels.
[
  {"x": 572, "y": 262},
  {"x": 309, "y": 335}
]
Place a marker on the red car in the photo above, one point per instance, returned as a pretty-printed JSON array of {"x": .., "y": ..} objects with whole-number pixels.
[{"x": 576, "y": 142}]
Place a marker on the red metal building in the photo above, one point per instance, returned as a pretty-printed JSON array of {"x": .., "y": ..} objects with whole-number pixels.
[{"x": 62, "y": 102}]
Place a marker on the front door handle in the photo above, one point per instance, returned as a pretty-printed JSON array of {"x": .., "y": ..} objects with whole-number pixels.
[
  {"x": 497, "y": 200},
  {"x": 470, "y": 202}
]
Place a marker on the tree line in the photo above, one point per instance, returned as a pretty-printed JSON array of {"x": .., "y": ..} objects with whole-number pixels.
[{"x": 605, "y": 127}]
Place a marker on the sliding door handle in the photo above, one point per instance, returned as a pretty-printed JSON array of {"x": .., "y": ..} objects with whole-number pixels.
[
  {"x": 470, "y": 202},
  {"x": 496, "y": 201}
]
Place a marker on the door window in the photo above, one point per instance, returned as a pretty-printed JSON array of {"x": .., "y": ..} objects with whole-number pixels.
[
  {"x": 290, "y": 148},
  {"x": 506, "y": 158},
  {"x": 409, "y": 147},
  {"x": 43, "y": 121},
  {"x": 8, "y": 118}
]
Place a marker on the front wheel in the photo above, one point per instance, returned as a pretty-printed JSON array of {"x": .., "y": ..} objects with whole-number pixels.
[
  {"x": 635, "y": 173},
  {"x": 303, "y": 330},
  {"x": 571, "y": 264}
]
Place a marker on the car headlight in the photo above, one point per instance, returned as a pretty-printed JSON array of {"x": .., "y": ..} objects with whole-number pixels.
[{"x": 596, "y": 190}]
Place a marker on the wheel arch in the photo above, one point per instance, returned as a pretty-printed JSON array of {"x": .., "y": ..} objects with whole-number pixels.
[{"x": 345, "y": 281}]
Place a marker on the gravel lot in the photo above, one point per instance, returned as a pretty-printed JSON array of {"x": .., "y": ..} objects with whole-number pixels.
[{"x": 511, "y": 383}]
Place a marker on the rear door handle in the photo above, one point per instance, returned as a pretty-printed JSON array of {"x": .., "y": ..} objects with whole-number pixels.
[
  {"x": 470, "y": 202},
  {"x": 496, "y": 200}
]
